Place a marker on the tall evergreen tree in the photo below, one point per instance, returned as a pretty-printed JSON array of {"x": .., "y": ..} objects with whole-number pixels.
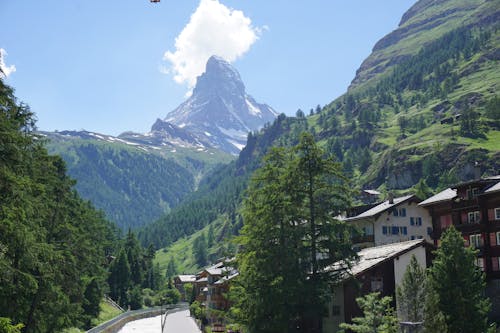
[
  {"x": 290, "y": 237},
  {"x": 458, "y": 286}
]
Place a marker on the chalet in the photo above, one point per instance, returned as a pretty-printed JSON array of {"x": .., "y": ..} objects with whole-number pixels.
[
  {"x": 180, "y": 281},
  {"x": 473, "y": 207},
  {"x": 394, "y": 220},
  {"x": 379, "y": 269}
]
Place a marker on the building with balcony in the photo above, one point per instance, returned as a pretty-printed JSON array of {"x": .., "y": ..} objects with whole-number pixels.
[
  {"x": 391, "y": 221},
  {"x": 473, "y": 207}
]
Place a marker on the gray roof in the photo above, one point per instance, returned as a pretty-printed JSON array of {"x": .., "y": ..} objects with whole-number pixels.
[
  {"x": 445, "y": 195},
  {"x": 380, "y": 208},
  {"x": 372, "y": 256},
  {"x": 187, "y": 278},
  {"x": 494, "y": 188},
  {"x": 372, "y": 192},
  {"x": 227, "y": 278}
]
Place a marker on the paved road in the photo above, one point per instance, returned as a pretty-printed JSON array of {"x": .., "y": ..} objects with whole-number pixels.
[
  {"x": 180, "y": 322},
  {"x": 147, "y": 325}
]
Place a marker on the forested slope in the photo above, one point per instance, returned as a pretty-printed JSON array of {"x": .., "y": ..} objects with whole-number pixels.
[
  {"x": 132, "y": 185},
  {"x": 53, "y": 244}
]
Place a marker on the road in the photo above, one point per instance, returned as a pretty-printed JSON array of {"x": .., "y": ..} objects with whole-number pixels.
[
  {"x": 180, "y": 321},
  {"x": 147, "y": 325},
  {"x": 177, "y": 322}
]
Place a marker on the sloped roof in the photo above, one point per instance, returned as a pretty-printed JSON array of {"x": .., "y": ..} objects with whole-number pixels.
[
  {"x": 227, "y": 278},
  {"x": 187, "y": 278},
  {"x": 494, "y": 188},
  {"x": 373, "y": 256},
  {"x": 380, "y": 208},
  {"x": 372, "y": 192},
  {"x": 442, "y": 196}
]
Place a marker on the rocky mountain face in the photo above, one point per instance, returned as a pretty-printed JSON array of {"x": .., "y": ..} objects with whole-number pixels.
[
  {"x": 219, "y": 113},
  {"x": 425, "y": 16}
]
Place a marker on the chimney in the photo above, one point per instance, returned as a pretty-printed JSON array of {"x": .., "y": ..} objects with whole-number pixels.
[
  {"x": 391, "y": 198},
  {"x": 477, "y": 170}
]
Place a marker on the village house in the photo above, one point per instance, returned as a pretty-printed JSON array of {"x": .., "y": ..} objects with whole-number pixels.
[
  {"x": 379, "y": 269},
  {"x": 473, "y": 207},
  {"x": 180, "y": 281},
  {"x": 394, "y": 220}
]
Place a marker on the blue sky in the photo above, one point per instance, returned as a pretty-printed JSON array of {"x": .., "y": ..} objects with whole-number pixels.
[{"x": 103, "y": 66}]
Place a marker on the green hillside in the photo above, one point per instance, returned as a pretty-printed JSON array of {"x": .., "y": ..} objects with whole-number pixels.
[
  {"x": 423, "y": 106},
  {"x": 133, "y": 186}
]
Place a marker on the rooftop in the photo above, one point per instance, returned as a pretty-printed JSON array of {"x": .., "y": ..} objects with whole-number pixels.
[
  {"x": 372, "y": 256},
  {"x": 187, "y": 278},
  {"x": 494, "y": 188},
  {"x": 380, "y": 208},
  {"x": 442, "y": 196}
]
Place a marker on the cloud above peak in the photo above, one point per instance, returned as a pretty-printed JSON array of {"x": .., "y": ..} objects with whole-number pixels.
[
  {"x": 213, "y": 29},
  {"x": 5, "y": 70}
]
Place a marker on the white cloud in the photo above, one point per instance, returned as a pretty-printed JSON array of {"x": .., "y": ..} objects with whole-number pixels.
[
  {"x": 213, "y": 29},
  {"x": 5, "y": 70}
]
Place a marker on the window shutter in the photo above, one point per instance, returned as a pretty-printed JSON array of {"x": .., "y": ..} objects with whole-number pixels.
[{"x": 493, "y": 239}]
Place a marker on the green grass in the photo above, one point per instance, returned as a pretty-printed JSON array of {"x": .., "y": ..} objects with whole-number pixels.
[
  {"x": 182, "y": 249},
  {"x": 108, "y": 312}
]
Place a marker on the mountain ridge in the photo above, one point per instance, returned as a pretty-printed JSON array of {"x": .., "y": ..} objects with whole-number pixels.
[{"x": 219, "y": 111}]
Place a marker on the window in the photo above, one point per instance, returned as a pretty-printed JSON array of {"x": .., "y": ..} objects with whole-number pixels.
[
  {"x": 480, "y": 263},
  {"x": 412, "y": 237},
  {"x": 395, "y": 230},
  {"x": 497, "y": 213},
  {"x": 412, "y": 221},
  {"x": 418, "y": 221},
  {"x": 472, "y": 193},
  {"x": 475, "y": 241},
  {"x": 495, "y": 264},
  {"x": 384, "y": 230},
  {"x": 429, "y": 231},
  {"x": 498, "y": 238},
  {"x": 399, "y": 212},
  {"x": 420, "y": 237},
  {"x": 377, "y": 284},
  {"x": 403, "y": 230},
  {"x": 473, "y": 217}
]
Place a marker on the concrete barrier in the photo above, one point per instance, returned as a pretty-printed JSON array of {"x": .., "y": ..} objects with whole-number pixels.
[{"x": 115, "y": 324}]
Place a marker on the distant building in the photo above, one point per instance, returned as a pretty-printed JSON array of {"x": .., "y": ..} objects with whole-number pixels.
[
  {"x": 379, "y": 269},
  {"x": 473, "y": 207},
  {"x": 394, "y": 220},
  {"x": 180, "y": 281}
]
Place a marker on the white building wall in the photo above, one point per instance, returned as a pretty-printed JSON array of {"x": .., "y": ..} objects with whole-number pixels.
[
  {"x": 401, "y": 263},
  {"x": 388, "y": 220}
]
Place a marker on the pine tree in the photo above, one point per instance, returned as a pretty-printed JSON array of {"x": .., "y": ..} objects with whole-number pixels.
[
  {"x": 290, "y": 237},
  {"x": 378, "y": 316},
  {"x": 458, "y": 286},
  {"x": 171, "y": 269},
  {"x": 410, "y": 295}
]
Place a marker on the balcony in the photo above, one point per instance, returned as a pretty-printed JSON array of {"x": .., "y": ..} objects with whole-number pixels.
[{"x": 363, "y": 239}]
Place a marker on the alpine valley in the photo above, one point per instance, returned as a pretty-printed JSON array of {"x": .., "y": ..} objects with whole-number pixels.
[
  {"x": 205, "y": 186},
  {"x": 135, "y": 178},
  {"x": 422, "y": 113}
]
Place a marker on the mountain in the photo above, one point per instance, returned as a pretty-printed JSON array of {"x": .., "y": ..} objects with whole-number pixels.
[
  {"x": 423, "y": 107},
  {"x": 132, "y": 179},
  {"x": 219, "y": 112}
]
